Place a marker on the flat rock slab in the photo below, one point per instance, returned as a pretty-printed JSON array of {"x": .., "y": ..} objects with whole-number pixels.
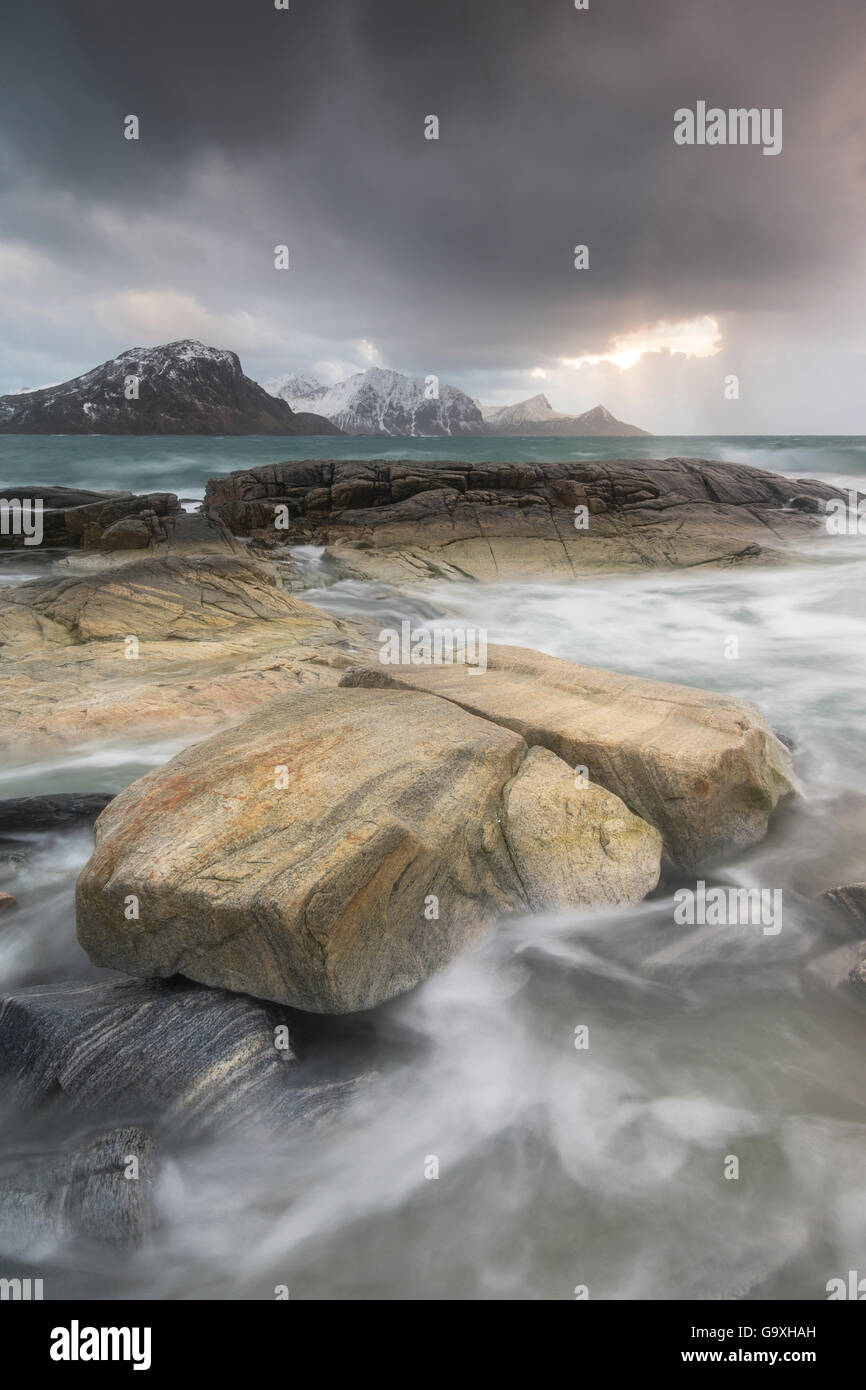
[
  {"x": 187, "y": 1059},
  {"x": 335, "y": 849},
  {"x": 214, "y": 636},
  {"x": 171, "y": 597},
  {"x": 704, "y": 769}
]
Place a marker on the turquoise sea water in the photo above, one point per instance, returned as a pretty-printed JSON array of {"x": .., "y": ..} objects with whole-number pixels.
[{"x": 183, "y": 464}]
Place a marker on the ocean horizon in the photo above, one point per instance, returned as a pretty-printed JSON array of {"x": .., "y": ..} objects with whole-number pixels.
[{"x": 183, "y": 463}]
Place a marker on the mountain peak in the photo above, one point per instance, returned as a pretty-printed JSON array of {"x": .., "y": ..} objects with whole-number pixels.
[
  {"x": 380, "y": 400},
  {"x": 183, "y": 387}
]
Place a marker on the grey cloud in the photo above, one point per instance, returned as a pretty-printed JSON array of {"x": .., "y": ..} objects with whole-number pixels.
[{"x": 261, "y": 126}]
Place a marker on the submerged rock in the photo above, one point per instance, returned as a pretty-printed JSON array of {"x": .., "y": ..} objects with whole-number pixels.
[
  {"x": 170, "y": 1055},
  {"x": 839, "y": 973},
  {"x": 849, "y": 902},
  {"x": 57, "y": 811},
  {"x": 704, "y": 769},
  {"x": 101, "y": 1191},
  {"x": 337, "y": 848}
]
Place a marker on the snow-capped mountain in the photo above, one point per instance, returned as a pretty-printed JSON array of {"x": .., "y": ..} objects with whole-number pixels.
[
  {"x": 379, "y": 401},
  {"x": 291, "y": 387},
  {"x": 532, "y": 411},
  {"x": 537, "y": 416},
  {"x": 182, "y": 388}
]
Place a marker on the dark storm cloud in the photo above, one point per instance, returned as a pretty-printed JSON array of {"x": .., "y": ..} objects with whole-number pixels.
[{"x": 260, "y": 126}]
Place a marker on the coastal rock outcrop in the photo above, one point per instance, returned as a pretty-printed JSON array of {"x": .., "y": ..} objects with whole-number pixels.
[
  {"x": 704, "y": 769},
  {"x": 406, "y": 520},
  {"x": 73, "y": 517},
  {"x": 178, "y": 643},
  {"x": 170, "y": 597},
  {"x": 339, "y": 847}
]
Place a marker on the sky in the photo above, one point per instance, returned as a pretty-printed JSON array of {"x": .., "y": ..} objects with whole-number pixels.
[{"x": 305, "y": 127}]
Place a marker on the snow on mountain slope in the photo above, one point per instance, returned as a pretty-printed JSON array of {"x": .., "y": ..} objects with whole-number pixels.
[
  {"x": 531, "y": 411},
  {"x": 291, "y": 387},
  {"x": 181, "y": 388},
  {"x": 536, "y": 416},
  {"x": 380, "y": 401}
]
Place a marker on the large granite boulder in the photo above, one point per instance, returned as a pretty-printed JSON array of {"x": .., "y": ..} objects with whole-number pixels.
[
  {"x": 704, "y": 769},
  {"x": 573, "y": 843},
  {"x": 337, "y": 848}
]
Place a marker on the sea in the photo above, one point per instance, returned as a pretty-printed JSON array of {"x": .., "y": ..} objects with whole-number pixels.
[{"x": 561, "y": 1171}]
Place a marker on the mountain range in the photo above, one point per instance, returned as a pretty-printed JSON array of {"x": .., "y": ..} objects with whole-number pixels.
[
  {"x": 379, "y": 401},
  {"x": 186, "y": 387}
]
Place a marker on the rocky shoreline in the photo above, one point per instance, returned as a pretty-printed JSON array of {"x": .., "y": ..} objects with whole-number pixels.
[
  {"x": 489, "y": 521},
  {"x": 343, "y": 828}
]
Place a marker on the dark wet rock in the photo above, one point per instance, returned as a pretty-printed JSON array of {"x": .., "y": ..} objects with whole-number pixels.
[
  {"x": 167, "y": 1054},
  {"x": 72, "y": 517},
  {"x": 857, "y": 974},
  {"x": 101, "y": 1190},
  {"x": 398, "y": 519},
  {"x": 805, "y": 503},
  {"x": 59, "y": 499},
  {"x": 58, "y": 811},
  {"x": 849, "y": 904},
  {"x": 839, "y": 973},
  {"x": 165, "y": 533},
  {"x": 87, "y": 525},
  {"x": 57, "y": 504}
]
